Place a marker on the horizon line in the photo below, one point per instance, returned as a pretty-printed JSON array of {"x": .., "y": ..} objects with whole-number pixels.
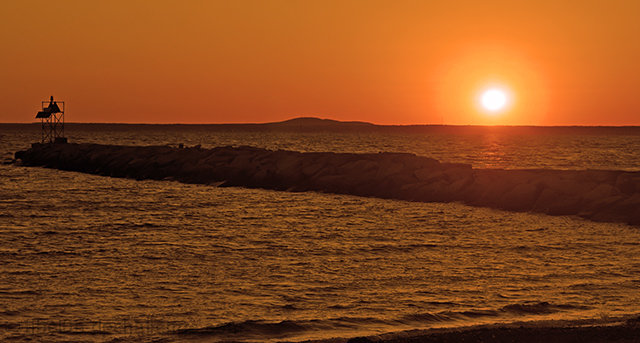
[
  {"x": 318, "y": 121},
  {"x": 341, "y": 122}
]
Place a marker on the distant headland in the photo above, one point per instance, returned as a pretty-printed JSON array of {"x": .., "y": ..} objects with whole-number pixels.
[{"x": 315, "y": 124}]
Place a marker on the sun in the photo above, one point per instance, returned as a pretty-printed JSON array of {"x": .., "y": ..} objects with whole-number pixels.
[{"x": 494, "y": 100}]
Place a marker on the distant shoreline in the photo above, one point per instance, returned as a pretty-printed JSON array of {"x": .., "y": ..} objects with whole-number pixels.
[{"x": 309, "y": 125}]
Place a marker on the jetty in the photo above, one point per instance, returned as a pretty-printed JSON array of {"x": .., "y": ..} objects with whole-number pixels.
[{"x": 599, "y": 195}]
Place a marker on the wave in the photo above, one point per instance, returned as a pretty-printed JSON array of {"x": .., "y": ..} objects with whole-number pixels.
[
  {"x": 265, "y": 330},
  {"x": 18, "y": 292},
  {"x": 393, "y": 247},
  {"x": 540, "y": 308},
  {"x": 249, "y": 328}
]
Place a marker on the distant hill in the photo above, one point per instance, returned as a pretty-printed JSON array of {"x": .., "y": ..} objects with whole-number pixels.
[
  {"x": 320, "y": 124},
  {"x": 311, "y": 124},
  {"x": 314, "y": 124}
]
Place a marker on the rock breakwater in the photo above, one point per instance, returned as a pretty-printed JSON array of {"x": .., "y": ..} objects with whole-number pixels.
[{"x": 600, "y": 195}]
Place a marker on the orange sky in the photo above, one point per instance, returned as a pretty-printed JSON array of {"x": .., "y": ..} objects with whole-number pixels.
[{"x": 388, "y": 62}]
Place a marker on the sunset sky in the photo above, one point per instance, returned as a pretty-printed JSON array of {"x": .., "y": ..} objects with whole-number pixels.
[{"x": 387, "y": 62}]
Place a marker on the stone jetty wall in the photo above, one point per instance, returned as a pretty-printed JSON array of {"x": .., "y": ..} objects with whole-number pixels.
[{"x": 598, "y": 195}]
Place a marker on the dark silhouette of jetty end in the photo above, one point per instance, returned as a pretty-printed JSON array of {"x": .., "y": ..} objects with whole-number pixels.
[
  {"x": 598, "y": 195},
  {"x": 52, "y": 121}
]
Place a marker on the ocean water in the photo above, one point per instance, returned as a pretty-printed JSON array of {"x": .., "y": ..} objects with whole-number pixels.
[{"x": 92, "y": 258}]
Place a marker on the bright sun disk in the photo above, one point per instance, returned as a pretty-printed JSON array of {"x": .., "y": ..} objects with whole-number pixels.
[{"x": 494, "y": 100}]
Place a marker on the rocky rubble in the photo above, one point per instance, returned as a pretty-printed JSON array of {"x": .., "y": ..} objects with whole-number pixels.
[{"x": 600, "y": 195}]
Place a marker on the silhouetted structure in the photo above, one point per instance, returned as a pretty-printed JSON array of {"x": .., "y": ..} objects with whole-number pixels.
[{"x": 52, "y": 119}]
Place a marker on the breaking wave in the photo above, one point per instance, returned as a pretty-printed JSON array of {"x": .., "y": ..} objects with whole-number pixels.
[{"x": 303, "y": 329}]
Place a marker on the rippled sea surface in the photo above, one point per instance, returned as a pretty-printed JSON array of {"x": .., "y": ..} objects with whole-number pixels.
[{"x": 92, "y": 258}]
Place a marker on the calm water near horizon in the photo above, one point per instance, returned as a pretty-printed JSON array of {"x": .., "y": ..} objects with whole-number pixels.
[{"x": 92, "y": 258}]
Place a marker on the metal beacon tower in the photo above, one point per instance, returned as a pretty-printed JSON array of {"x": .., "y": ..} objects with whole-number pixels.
[{"x": 52, "y": 119}]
